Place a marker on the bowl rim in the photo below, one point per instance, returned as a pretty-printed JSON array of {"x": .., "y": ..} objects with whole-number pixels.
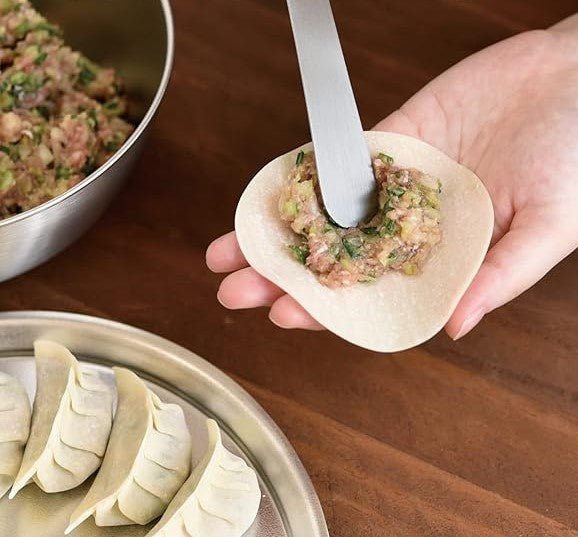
[{"x": 143, "y": 124}]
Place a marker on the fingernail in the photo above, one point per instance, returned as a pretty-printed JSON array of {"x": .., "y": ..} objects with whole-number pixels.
[
  {"x": 275, "y": 322},
  {"x": 220, "y": 299},
  {"x": 470, "y": 321}
]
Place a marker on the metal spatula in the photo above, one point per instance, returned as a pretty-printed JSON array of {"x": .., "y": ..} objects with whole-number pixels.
[{"x": 341, "y": 153}]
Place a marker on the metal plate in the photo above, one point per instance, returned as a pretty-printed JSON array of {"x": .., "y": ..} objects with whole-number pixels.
[{"x": 289, "y": 506}]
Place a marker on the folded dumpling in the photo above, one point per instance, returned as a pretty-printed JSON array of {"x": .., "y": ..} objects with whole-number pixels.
[
  {"x": 71, "y": 422},
  {"x": 147, "y": 460},
  {"x": 14, "y": 429},
  {"x": 220, "y": 499}
]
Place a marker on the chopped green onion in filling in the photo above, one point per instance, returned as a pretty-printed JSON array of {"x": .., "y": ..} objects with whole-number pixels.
[
  {"x": 386, "y": 159},
  {"x": 352, "y": 247},
  {"x": 63, "y": 173},
  {"x": 300, "y": 253},
  {"x": 86, "y": 75},
  {"x": 41, "y": 58},
  {"x": 398, "y": 237}
]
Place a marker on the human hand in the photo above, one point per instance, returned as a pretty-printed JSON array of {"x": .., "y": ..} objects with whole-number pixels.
[{"x": 510, "y": 114}]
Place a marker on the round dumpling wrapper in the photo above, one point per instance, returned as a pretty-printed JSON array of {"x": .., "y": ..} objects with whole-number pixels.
[{"x": 397, "y": 311}]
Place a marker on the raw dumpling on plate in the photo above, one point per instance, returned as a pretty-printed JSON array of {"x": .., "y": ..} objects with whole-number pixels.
[
  {"x": 220, "y": 499},
  {"x": 14, "y": 429},
  {"x": 71, "y": 422},
  {"x": 147, "y": 460}
]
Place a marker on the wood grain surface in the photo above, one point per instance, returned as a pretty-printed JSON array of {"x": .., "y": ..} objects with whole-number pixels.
[{"x": 476, "y": 438}]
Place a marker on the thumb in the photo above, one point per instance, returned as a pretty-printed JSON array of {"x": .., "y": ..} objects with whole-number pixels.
[
  {"x": 521, "y": 257},
  {"x": 399, "y": 122}
]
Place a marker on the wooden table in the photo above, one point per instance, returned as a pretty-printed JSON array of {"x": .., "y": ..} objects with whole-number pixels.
[{"x": 476, "y": 438}]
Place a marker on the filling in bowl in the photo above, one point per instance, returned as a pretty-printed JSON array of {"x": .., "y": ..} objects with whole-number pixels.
[
  {"x": 60, "y": 114},
  {"x": 398, "y": 237}
]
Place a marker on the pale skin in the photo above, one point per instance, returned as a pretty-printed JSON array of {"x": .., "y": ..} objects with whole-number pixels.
[{"x": 510, "y": 114}]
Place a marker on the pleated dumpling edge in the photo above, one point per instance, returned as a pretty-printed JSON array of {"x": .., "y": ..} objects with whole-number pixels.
[
  {"x": 147, "y": 460},
  {"x": 71, "y": 422},
  {"x": 15, "y": 416},
  {"x": 220, "y": 499}
]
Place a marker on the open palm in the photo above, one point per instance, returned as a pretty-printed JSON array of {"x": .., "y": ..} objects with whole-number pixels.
[{"x": 509, "y": 113}]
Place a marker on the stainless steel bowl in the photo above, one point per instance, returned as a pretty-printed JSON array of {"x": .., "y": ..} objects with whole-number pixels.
[{"x": 136, "y": 38}]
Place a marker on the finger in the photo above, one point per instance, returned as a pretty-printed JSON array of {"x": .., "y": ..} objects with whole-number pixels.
[
  {"x": 247, "y": 289},
  {"x": 568, "y": 25},
  {"x": 423, "y": 117},
  {"x": 224, "y": 254},
  {"x": 398, "y": 122},
  {"x": 286, "y": 313},
  {"x": 521, "y": 258}
]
